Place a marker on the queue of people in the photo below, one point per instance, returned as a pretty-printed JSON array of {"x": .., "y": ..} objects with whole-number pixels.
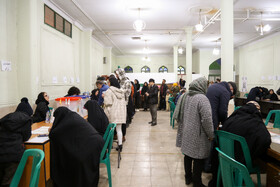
[{"x": 200, "y": 109}]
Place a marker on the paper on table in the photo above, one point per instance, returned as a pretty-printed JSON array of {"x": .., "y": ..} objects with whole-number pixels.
[
  {"x": 41, "y": 130},
  {"x": 38, "y": 140},
  {"x": 275, "y": 138}
]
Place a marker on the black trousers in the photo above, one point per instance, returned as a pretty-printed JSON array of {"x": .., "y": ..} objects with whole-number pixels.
[
  {"x": 162, "y": 103},
  {"x": 193, "y": 170}
]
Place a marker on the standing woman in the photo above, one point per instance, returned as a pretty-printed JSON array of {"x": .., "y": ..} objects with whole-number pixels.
[
  {"x": 42, "y": 108},
  {"x": 145, "y": 98},
  {"x": 115, "y": 107},
  {"x": 196, "y": 131},
  {"x": 137, "y": 94}
]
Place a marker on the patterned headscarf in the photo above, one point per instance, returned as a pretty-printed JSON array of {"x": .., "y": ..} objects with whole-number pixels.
[{"x": 198, "y": 86}]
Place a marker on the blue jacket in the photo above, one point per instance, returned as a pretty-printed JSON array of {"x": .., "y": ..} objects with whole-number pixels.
[
  {"x": 100, "y": 98},
  {"x": 219, "y": 95}
]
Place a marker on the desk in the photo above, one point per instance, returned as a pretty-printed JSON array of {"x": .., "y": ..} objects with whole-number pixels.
[
  {"x": 266, "y": 106},
  {"x": 273, "y": 166},
  {"x": 45, "y": 166}
]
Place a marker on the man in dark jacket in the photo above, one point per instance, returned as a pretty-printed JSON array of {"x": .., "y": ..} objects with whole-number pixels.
[
  {"x": 219, "y": 95},
  {"x": 163, "y": 89},
  {"x": 255, "y": 94},
  {"x": 247, "y": 122},
  {"x": 15, "y": 129},
  {"x": 153, "y": 101}
]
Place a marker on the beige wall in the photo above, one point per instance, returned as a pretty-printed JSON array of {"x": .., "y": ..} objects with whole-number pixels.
[
  {"x": 260, "y": 58},
  {"x": 38, "y": 53}
]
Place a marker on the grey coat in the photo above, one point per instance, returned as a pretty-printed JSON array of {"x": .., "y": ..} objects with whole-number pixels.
[{"x": 196, "y": 128}]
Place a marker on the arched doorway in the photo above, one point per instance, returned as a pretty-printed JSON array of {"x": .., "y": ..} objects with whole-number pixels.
[{"x": 215, "y": 70}]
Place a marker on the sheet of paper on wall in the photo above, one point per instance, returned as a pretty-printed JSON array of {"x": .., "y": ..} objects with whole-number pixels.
[
  {"x": 278, "y": 77},
  {"x": 71, "y": 80},
  {"x": 65, "y": 79},
  {"x": 263, "y": 78},
  {"x": 78, "y": 80},
  {"x": 54, "y": 80},
  {"x": 274, "y": 78},
  {"x": 270, "y": 77},
  {"x": 37, "y": 80},
  {"x": 6, "y": 65}
]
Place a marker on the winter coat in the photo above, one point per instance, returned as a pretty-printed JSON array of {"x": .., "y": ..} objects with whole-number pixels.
[
  {"x": 115, "y": 105},
  {"x": 196, "y": 128},
  {"x": 40, "y": 112},
  {"x": 163, "y": 88},
  {"x": 153, "y": 94},
  {"x": 101, "y": 91},
  {"x": 219, "y": 95},
  {"x": 15, "y": 129},
  {"x": 247, "y": 122},
  {"x": 254, "y": 93}
]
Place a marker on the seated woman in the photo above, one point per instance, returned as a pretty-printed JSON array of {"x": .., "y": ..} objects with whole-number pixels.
[
  {"x": 75, "y": 148},
  {"x": 42, "y": 108},
  {"x": 247, "y": 122},
  {"x": 271, "y": 96},
  {"x": 96, "y": 116},
  {"x": 73, "y": 91},
  {"x": 15, "y": 128}
]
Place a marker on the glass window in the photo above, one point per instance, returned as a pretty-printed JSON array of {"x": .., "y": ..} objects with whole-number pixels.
[
  {"x": 128, "y": 69},
  {"x": 181, "y": 70},
  {"x": 163, "y": 69},
  {"x": 145, "y": 69}
]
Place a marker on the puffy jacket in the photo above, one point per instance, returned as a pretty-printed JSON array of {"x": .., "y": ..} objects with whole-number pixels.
[
  {"x": 153, "y": 94},
  {"x": 115, "y": 105},
  {"x": 15, "y": 129},
  {"x": 219, "y": 95}
]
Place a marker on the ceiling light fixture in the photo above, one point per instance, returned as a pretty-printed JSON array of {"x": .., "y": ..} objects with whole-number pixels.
[
  {"x": 139, "y": 24},
  {"x": 146, "y": 49},
  {"x": 262, "y": 28},
  {"x": 180, "y": 49},
  {"x": 216, "y": 50},
  {"x": 199, "y": 26}
]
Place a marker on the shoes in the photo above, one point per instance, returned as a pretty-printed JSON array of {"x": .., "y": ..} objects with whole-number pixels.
[
  {"x": 119, "y": 147},
  {"x": 153, "y": 124},
  {"x": 123, "y": 139},
  {"x": 150, "y": 122}
]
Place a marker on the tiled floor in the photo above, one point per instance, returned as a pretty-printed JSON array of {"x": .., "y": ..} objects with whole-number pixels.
[{"x": 149, "y": 156}]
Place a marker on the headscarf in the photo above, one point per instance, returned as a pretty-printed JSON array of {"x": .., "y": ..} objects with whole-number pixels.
[
  {"x": 256, "y": 104},
  {"x": 121, "y": 74},
  {"x": 144, "y": 88},
  {"x": 198, "y": 86},
  {"x": 25, "y": 107},
  {"x": 96, "y": 116},
  {"x": 59, "y": 114},
  {"x": 175, "y": 84},
  {"x": 41, "y": 98},
  {"x": 114, "y": 82}
]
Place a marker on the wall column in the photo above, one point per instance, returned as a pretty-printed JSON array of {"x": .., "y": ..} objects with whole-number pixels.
[
  {"x": 227, "y": 46},
  {"x": 188, "y": 31},
  {"x": 175, "y": 61}
]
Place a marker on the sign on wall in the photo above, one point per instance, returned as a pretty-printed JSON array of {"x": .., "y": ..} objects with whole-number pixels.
[{"x": 6, "y": 65}]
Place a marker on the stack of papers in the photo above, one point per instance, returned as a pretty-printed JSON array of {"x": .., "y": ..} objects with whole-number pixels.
[
  {"x": 38, "y": 140},
  {"x": 41, "y": 130},
  {"x": 275, "y": 138}
]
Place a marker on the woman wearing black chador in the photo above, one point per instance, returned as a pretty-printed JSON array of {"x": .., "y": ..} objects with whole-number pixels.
[{"x": 42, "y": 108}]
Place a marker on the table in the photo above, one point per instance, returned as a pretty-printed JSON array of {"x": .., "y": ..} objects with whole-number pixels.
[
  {"x": 273, "y": 165},
  {"x": 44, "y": 145},
  {"x": 266, "y": 106}
]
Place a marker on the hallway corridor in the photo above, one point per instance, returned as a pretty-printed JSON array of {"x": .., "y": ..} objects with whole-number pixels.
[{"x": 149, "y": 156}]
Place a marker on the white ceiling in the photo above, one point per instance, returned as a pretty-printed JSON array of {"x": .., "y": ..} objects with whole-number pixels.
[{"x": 112, "y": 20}]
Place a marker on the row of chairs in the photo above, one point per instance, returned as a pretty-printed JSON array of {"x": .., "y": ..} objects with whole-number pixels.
[
  {"x": 232, "y": 172},
  {"x": 38, "y": 156}
]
